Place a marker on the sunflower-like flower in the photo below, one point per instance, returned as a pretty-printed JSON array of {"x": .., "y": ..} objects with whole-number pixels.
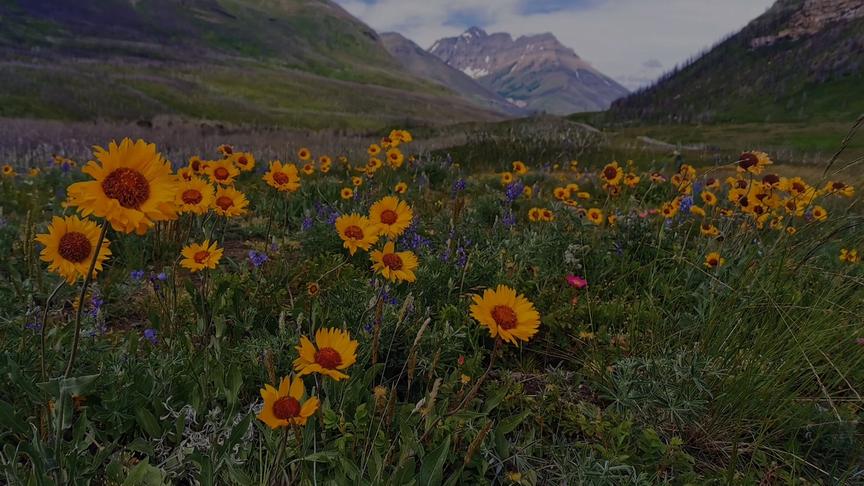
[
  {"x": 714, "y": 260},
  {"x": 9, "y": 171},
  {"x": 69, "y": 246},
  {"x": 753, "y": 162},
  {"x": 395, "y": 159},
  {"x": 356, "y": 181},
  {"x": 708, "y": 197},
  {"x": 819, "y": 213},
  {"x": 283, "y": 407},
  {"x": 506, "y": 178},
  {"x": 196, "y": 164},
  {"x": 612, "y": 174},
  {"x": 506, "y": 314},
  {"x": 222, "y": 172},
  {"x": 394, "y": 266},
  {"x": 400, "y": 188},
  {"x": 185, "y": 174},
  {"x": 197, "y": 257},
  {"x": 357, "y": 232},
  {"x": 561, "y": 193},
  {"x": 393, "y": 216},
  {"x": 709, "y": 230},
  {"x": 230, "y": 202},
  {"x": 535, "y": 215},
  {"x": 373, "y": 150},
  {"x": 194, "y": 196},
  {"x": 304, "y": 154},
  {"x": 244, "y": 161},
  {"x": 346, "y": 193},
  {"x": 839, "y": 188},
  {"x": 133, "y": 187},
  {"x": 849, "y": 256},
  {"x": 225, "y": 150},
  {"x": 282, "y": 177},
  {"x": 520, "y": 168},
  {"x": 333, "y": 352},
  {"x": 595, "y": 216}
]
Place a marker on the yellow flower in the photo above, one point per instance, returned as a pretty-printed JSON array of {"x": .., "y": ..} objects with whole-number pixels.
[
  {"x": 308, "y": 169},
  {"x": 561, "y": 193},
  {"x": 333, "y": 352},
  {"x": 612, "y": 220},
  {"x": 506, "y": 314},
  {"x": 244, "y": 161},
  {"x": 465, "y": 379},
  {"x": 230, "y": 202},
  {"x": 324, "y": 160},
  {"x": 520, "y": 168},
  {"x": 69, "y": 246},
  {"x": 374, "y": 150},
  {"x": 225, "y": 150},
  {"x": 753, "y": 162},
  {"x": 346, "y": 193},
  {"x": 669, "y": 209},
  {"x": 400, "y": 188},
  {"x": 819, "y": 213},
  {"x": 392, "y": 215},
  {"x": 791, "y": 230},
  {"x": 612, "y": 174},
  {"x": 546, "y": 215},
  {"x": 357, "y": 181},
  {"x": 631, "y": 180},
  {"x": 312, "y": 288},
  {"x": 696, "y": 210},
  {"x": 394, "y": 266},
  {"x": 356, "y": 232},
  {"x": 708, "y": 198},
  {"x": 8, "y": 171},
  {"x": 133, "y": 187},
  {"x": 506, "y": 178},
  {"x": 840, "y": 188},
  {"x": 194, "y": 196},
  {"x": 282, "y": 177},
  {"x": 535, "y": 215},
  {"x": 185, "y": 174},
  {"x": 595, "y": 216},
  {"x": 527, "y": 191},
  {"x": 200, "y": 256},
  {"x": 304, "y": 154},
  {"x": 222, "y": 172},
  {"x": 709, "y": 230},
  {"x": 196, "y": 164},
  {"x": 849, "y": 256},
  {"x": 35, "y": 171},
  {"x": 395, "y": 158},
  {"x": 282, "y": 407},
  {"x": 583, "y": 195},
  {"x": 714, "y": 260},
  {"x": 373, "y": 165}
]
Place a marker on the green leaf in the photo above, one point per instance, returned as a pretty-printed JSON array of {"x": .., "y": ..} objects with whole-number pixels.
[
  {"x": 432, "y": 467},
  {"x": 148, "y": 422},
  {"x": 9, "y": 420}
]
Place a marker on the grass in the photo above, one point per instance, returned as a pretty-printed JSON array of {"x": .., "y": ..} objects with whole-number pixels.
[{"x": 661, "y": 371}]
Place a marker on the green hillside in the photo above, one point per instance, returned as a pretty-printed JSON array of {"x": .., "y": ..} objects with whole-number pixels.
[
  {"x": 284, "y": 62},
  {"x": 800, "y": 61}
]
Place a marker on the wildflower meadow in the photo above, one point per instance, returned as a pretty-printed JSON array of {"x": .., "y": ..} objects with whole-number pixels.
[{"x": 393, "y": 314}]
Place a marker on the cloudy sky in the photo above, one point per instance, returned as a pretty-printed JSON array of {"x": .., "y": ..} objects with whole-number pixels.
[{"x": 634, "y": 41}]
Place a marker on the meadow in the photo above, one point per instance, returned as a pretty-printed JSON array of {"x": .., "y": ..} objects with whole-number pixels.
[{"x": 509, "y": 306}]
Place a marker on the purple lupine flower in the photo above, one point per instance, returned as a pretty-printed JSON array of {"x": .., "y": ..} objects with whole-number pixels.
[
  {"x": 513, "y": 191},
  {"x": 458, "y": 187},
  {"x": 136, "y": 275},
  {"x": 331, "y": 219},
  {"x": 368, "y": 327},
  {"x": 95, "y": 305},
  {"x": 686, "y": 204},
  {"x": 150, "y": 335},
  {"x": 256, "y": 258},
  {"x": 509, "y": 220},
  {"x": 307, "y": 224},
  {"x": 161, "y": 276},
  {"x": 461, "y": 256},
  {"x": 33, "y": 326}
]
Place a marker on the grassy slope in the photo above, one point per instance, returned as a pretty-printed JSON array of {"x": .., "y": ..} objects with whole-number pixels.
[
  {"x": 813, "y": 78},
  {"x": 273, "y": 62}
]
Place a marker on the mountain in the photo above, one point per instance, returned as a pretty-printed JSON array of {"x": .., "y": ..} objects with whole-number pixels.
[
  {"x": 424, "y": 65},
  {"x": 536, "y": 72},
  {"x": 282, "y": 62},
  {"x": 801, "y": 60}
]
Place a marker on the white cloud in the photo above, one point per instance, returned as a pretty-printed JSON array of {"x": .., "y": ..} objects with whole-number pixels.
[{"x": 616, "y": 36}]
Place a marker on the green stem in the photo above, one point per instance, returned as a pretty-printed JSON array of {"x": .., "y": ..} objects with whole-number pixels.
[
  {"x": 87, "y": 279},
  {"x": 43, "y": 330}
]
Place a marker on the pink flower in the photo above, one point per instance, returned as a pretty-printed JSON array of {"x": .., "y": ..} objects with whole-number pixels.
[{"x": 576, "y": 282}]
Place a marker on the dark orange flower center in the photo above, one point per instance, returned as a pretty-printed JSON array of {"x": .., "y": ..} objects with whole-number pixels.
[
  {"x": 196, "y": 165},
  {"x": 201, "y": 256},
  {"x": 388, "y": 216},
  {"x": 224, "y": 202},
  {"x": 129, "y": 187},
  {"x": 354, "y": 232},
  {"x": 392, "y": 261},
  {"x": 221, "y": 173},
  {"x": 505, "y": 317},
  {"x": 798, "y": 187},
  {"x": 286, "y": 408},
  {"x": 281, "y": 178},
  {"x": 747, "y": 160},
  {"x": 192, "y": 196},
  {"x": 242, "y": 160},
  {"x": 712, "y": 261},
  {"x": 610, "y": 173},
  {"x": 771, "y": 179},
  {"x": 328, "y": 358},
  {"x": 75, "y": 247},
  {"x": 837, "y": 186},
  {"x": 741, "y": 184}
]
